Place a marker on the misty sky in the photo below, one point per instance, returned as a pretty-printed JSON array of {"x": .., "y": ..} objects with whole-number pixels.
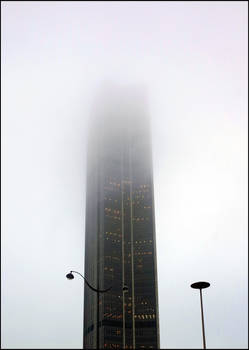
[{"x": 192, "y": 59}]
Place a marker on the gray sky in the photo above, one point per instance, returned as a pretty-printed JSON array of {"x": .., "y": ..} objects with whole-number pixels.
[{"x": 192, "y": 58}]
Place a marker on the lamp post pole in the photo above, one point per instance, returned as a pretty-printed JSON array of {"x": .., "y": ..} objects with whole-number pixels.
[
  {"x": 201, "y": 285},
  {"x": 124, "y": 290},
  {"x": 70, "y": 276}
]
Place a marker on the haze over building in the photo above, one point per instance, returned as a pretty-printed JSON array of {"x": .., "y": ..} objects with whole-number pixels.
[{"x": 120, "y": 246}]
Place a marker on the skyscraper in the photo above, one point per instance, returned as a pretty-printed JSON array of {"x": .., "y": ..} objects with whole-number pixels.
[{"x": 120, "y": 246}]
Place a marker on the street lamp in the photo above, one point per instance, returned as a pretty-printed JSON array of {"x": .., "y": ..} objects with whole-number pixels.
[
  {"x": 201, "y": 285},
  {"x": 70, "y": 276}
]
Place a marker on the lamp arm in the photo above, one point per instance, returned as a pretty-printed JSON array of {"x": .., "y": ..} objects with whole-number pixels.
[{"x": 92, "y": 288}]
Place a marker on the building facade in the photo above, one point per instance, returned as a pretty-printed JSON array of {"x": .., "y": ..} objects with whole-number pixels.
[{"x": 120, "y": 246}]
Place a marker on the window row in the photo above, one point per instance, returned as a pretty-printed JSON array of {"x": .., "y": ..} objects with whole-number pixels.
[
  {"x": 114, "y": 233},
  {"x": 115, "y": 211},
  {"x": 113, "y": 240},
  {"x": 113, "y": 216},
  {"x": 138, "y": 219},
  {"x": 143, "y": 253},
  {"x": 111, "y": 199},
  {"x": 144, "y": 241},
  {"x": 145, "y": 316}
]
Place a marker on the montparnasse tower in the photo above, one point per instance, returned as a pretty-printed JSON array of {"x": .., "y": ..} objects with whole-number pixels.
[{"x": 120, "y": 245}]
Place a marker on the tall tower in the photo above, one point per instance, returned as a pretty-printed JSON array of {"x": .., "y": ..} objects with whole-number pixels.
[{"x": 120, "y": 246}]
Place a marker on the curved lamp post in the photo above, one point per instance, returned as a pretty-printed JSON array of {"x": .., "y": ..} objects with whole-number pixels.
[
  {"x": 201, "y": 285},
  {"x": 70, "y": 276}
]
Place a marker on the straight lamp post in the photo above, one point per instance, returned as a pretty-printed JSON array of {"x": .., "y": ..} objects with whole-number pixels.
[{"x": 201, "y": 285}]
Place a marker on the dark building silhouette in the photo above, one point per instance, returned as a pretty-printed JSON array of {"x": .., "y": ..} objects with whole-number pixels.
[{"x": 120, "y": 247}]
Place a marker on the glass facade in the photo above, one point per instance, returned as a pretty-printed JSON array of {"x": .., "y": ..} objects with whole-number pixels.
[{"x": 120, "y": 248}]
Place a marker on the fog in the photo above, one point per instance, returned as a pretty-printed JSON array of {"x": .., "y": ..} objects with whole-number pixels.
[{"x": 189, "y": 60}]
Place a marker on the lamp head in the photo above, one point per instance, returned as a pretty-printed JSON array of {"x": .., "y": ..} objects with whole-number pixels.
[
  {"x": 200, "y": 285},
  {"x": 70, "y": 276},
  {"x": 125, "y": 288}
]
